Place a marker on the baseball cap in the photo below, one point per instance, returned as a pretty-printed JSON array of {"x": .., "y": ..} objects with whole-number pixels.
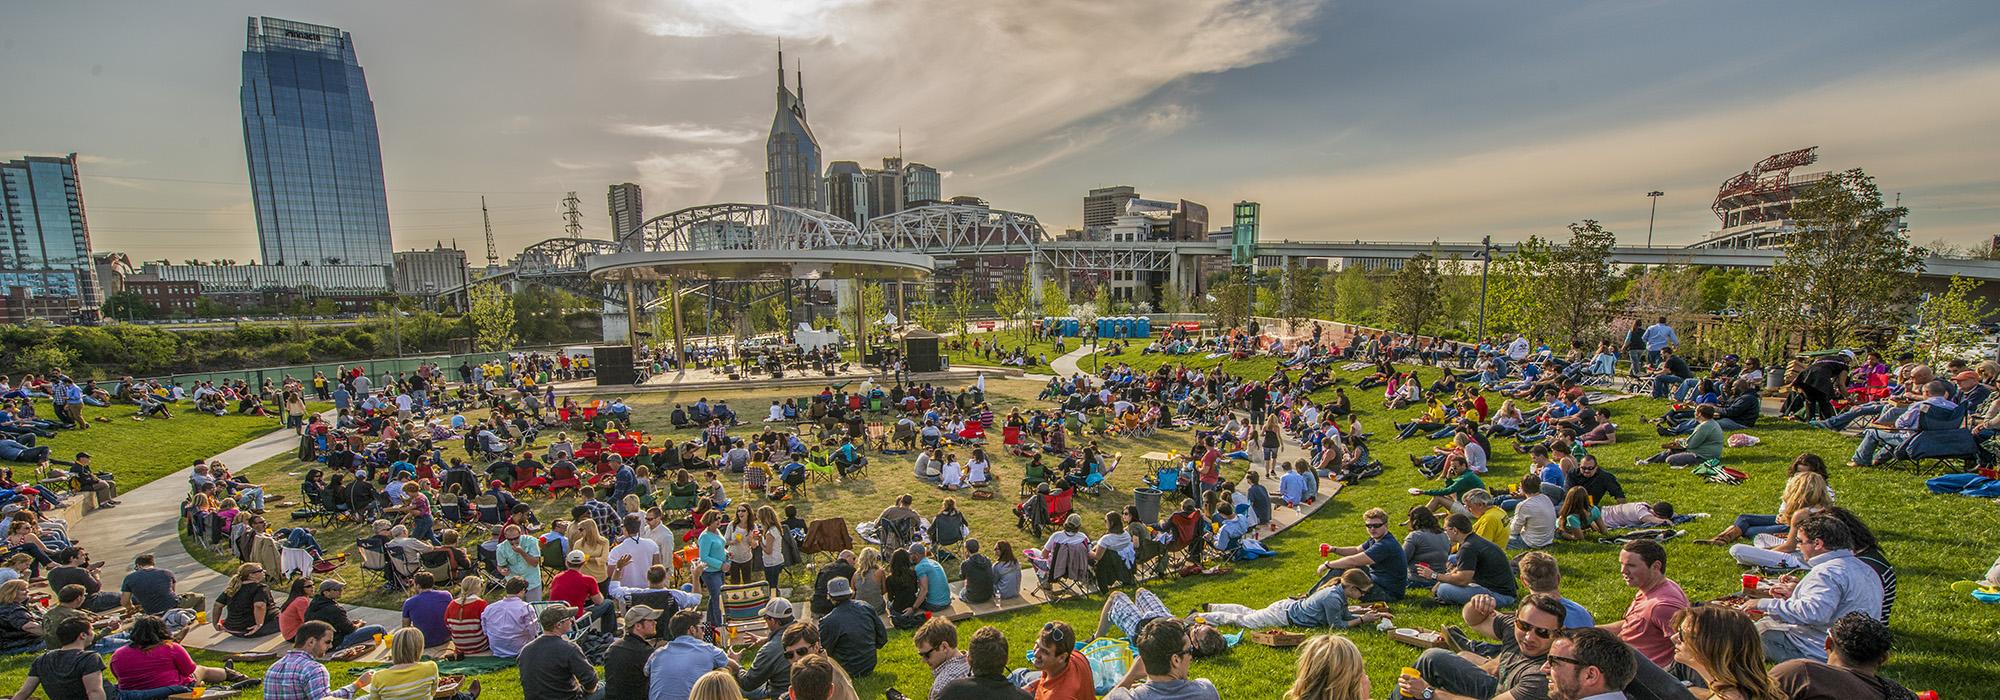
[
  {"x": 782, "y": 609},
  {"x": 1967, "y": 375},
  {"x": 553, "y": 614},
  {"x": 332, "y": 584},
  {"x": 641, "y": 613},
  {"x": 575, "y": 557},
  {"x": 839, "y": 587}
]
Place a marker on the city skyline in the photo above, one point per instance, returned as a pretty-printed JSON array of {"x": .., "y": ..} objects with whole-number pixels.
[{"x": 1370, "y": 122}]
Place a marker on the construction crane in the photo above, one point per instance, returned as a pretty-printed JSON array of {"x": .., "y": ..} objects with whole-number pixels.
[
  {"x": 572, "y": 219},
  {"x": 492, "y": 255}
]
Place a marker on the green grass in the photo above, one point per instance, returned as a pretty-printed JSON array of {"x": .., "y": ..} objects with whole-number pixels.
[
  {"x": 1943, "y": 639},
  {"x": 139, "y": 452},
  {"x": 1008, "y": 341}
]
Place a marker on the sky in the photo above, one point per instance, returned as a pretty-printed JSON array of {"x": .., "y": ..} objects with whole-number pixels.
[{"x": 1369, "y": 119}]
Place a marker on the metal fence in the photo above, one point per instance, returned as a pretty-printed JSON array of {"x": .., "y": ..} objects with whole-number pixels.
[{"x": 304, "y": 373}]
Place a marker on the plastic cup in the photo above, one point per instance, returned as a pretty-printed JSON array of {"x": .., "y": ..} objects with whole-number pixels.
[
  {"x": 201, "y": 617},
  {"x": 1750, "y": 582},
  {"x": 1325, "y": 549},
  {"x": 197, "y": 690}
]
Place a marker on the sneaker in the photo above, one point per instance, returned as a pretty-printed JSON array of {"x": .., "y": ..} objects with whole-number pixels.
[{"x": 1455, "y": 638}]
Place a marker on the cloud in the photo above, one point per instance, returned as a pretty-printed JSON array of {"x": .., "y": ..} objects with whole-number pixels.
[
  {"x": 1070, "y": 141},
  {"x": 691, "y": 133},
  {"x": 568, "y": 165},
  {"x": 1539, "y": 185},
  {"x": 970, "y": 80},
  {"x": 690, "y": 177}
]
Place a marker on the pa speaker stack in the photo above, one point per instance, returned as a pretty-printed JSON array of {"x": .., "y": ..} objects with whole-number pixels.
[
  {"x": 920, "y": 349},
  {"x": 614, "y": 365}
]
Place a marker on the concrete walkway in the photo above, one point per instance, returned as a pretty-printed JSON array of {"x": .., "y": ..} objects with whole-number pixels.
[
  {"x": 148, "y": 521},
  {"x": 1066, "y": 366}
]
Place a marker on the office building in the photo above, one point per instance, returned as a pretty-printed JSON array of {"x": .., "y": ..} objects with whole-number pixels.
[
  {"x": 791, "y": 170},
  {"x": 315, "y": 159},
  {"x": 847, "y": 192},
  {"x": 922, "y": 184},
  {"x": 628, "y": 209},
  {"x": 428, "y": 272},
  {"x": 1103, "y": 206},
  {"x": 886, "y": 194},
  {"x": 46, "y": 270}
]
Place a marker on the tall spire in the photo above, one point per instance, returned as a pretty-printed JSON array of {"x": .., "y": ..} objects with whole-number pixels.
[{"x": 800, "y": 66}]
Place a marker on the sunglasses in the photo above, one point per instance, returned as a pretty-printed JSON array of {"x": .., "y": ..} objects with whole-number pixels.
[
  {"x": 1373, "y": 525},
  {"x": 1568, "y": 660},
  {"x": 793, "y": 654},
  {"x": 1542, "y": 632}
]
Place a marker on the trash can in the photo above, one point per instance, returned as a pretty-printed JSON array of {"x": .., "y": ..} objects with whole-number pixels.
[{"x": 1148, "y": 501}]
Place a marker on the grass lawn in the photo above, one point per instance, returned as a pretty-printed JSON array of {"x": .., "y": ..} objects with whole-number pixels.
[
  {"x": 141, "y": 451},
  {"x": 1943, "y": 637},
  {"x": 1008, "y": 341}
]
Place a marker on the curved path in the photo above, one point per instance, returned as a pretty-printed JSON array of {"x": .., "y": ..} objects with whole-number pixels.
[{"x": 151, "y": 514}]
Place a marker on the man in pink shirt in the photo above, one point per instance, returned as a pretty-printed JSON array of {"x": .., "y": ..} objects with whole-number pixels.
[{"x": 1648, "y": 621}]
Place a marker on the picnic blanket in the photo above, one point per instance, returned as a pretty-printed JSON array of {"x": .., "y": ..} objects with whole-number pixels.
[
  {"x": 468, "y": 666},
  {"x": 1964, "y": 484}
]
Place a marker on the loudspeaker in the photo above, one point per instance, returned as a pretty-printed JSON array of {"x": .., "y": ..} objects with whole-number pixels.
[
  {"x": 922, "y": 353},
  {"x": 614, "y": 365}
]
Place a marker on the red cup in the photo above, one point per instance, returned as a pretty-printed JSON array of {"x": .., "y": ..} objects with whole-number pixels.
[
  {"x": 1750, "y": 582},
  {"x": 1928, "y": 695},
  {"x": 1325, "y": 549}
]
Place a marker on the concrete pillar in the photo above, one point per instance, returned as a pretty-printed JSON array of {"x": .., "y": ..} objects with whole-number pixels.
[
  {"x": 631, "y": 314},
  {"x": 680, "y": 344}
]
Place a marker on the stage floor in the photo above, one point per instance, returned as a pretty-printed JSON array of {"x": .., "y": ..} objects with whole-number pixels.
[{"x": 710, "y": 379}]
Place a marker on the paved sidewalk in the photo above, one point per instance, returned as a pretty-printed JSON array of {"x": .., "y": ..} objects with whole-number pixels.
[{"x": 148, "y": 520}]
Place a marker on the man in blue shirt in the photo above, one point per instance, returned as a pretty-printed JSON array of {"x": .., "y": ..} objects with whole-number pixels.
[
  {"x": 672, "y": 671},
  {"x": 1659, "y": 336},
  {"x": 1293, "y": 486},
  {"x": 1381, "y": 554},
  {"x": 931, "y": 582}
]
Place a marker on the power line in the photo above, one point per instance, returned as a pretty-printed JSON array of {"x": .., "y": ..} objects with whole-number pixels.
[{"x": 241, "y": 183}]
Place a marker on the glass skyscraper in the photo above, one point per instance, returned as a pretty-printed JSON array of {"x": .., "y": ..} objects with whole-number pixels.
[
  {"x": 45, "y": 265},
  {"x": 315, "y": 159},
  {"x": 791, "y": 169}
]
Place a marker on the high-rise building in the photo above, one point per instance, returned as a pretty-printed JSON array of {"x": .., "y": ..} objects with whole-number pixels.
[
  {"x": 1243, "y": 235},
  {"x": 847, "y": 192},
  {"x": 46, "y": 270},
  {"x": 791, "y": 170},
  {"x": 1103, "y": 206},
  {"x": 627, "y": 209},
  {"x": 886, "y": 194},
  {"x": 922, "y": 184},
  {"x": 315, "y": 159},
  {"x": 430, "y": 271}
]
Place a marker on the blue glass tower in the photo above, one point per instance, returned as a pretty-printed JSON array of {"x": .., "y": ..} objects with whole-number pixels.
[
  {"x": 45, "y": 265},
  {"x": 315, "y": 159},
  {"x": 791, "y": 170}
]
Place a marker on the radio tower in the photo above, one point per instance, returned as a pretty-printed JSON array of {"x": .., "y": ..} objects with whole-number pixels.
[
  {"x": 572, "y": 219},
  {"x": 492, "y": 256}
]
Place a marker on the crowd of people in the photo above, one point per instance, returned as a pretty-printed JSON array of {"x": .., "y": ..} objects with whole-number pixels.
[{"x": 633, "y": 580}]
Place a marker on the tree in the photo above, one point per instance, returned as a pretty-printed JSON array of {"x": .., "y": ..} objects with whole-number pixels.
[
  {"x": 1847, "y": 267},
  {"x": 1010, "y": 302},
  {"x": 1577, "y": 283},
  {"x": 873, "y": 304},
  {"x": 47, "y": 359},
  {"x": 1947, "y": 324},
  {"x": 1355, "y": 296},
  {"x": 1055, "y": 301},
  {"x": 1171, "y": 300},
  {"x": 961, "y": 306},
  {"x": 492, "y": 317},
  {"x": 1411, "y": 302},
  {"x": 1666, "y": 290},
  {"x": 128, "y": 306},
  {"x": 1228, "y": 302}
]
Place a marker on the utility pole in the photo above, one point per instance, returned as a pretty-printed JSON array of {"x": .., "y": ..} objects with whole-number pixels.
[
  {"x": 1655, "y": 196},
  {"x": 492, "y": 256},
  {"x": 572, "y": 219},
  {"x": 1485, "y": 261}
]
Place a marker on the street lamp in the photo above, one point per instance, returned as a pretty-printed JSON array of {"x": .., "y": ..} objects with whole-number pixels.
[
  {"x": 1655, "y": 196},
  {"x": 1485, "y": 261}
]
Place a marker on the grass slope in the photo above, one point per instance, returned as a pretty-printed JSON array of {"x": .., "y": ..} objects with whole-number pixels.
[
  {"x": 141, "y": 451},
  {"x": 1942, "y": 637}
]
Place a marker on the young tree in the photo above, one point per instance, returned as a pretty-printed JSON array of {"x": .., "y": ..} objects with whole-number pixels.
[
  {"x": 1010, "y": 302},
  {"x": 1356, "y": 296},
  {"x": 1577, "y": 283},
  {"x": 492, "y": 318},
  {"x": 1414, "y": 295},
  {"x": 1055, "y": 301},
  {"x": 1228, "y": 302},
  {"x": 1847, "y": 267},
  {"x": 961, "y": 306},
  {"x": 1948, "y": 323}
]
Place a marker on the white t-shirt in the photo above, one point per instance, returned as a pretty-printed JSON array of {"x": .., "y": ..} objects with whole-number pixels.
[
  {"x": 643, "y": 551},
  {"x": 1535, "y": 521},
  {"x": 976, "y": 471},
  {"x": 663, "y": 538},
  {"x": 953, "y": 474}
]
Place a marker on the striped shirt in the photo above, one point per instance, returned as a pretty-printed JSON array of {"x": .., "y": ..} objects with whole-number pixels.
[{"x": 468, "y": 636}]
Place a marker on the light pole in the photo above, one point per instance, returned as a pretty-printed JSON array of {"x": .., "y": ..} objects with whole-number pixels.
[
  {"x": 1655, "y": 196},
  {"x": 1485, "y": 261}
]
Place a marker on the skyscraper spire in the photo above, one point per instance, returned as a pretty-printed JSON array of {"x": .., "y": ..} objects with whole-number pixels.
[
  {"x": 800, "y": 66},
  {"x": 781, "y": 64}
]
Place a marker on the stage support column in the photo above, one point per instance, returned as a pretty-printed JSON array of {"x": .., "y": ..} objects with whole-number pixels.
[{"x": 680, "y": 345}]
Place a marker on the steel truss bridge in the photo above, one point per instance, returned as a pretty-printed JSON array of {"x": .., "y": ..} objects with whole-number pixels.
[{"x": 960, "y": 231}]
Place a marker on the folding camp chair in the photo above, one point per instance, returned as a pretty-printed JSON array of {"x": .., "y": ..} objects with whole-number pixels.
[{"x": 1069, "y": 572}]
